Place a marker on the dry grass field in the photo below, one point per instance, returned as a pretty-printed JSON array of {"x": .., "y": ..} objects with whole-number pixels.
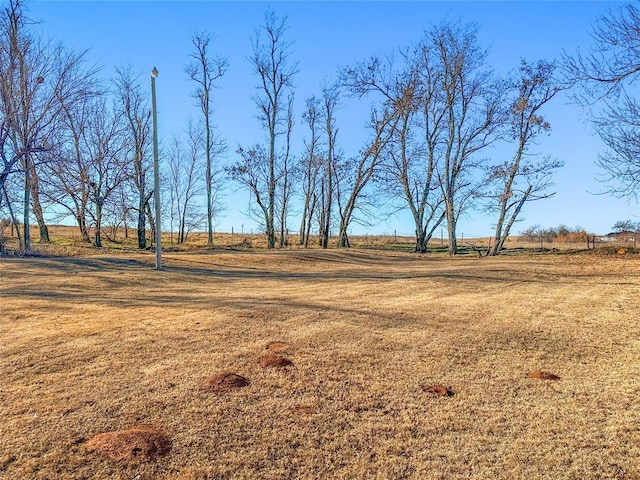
[{"x": 101, "y": 343}]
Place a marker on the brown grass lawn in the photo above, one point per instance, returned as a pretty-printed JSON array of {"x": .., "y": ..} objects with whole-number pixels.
[{"x": 104, "y": 343}]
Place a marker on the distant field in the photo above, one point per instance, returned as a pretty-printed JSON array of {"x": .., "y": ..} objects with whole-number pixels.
[
  {"x": 66, "y": 241},
  {"x": 99, "y": 343}
]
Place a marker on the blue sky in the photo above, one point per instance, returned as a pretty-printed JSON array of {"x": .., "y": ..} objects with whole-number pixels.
[{"x": 326, "y": 36}]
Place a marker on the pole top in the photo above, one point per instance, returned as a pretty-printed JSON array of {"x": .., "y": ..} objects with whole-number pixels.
[{"x": 154, "y": 72}]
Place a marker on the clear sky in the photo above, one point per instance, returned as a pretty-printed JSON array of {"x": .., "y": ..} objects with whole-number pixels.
[{"x": 329, "y": 35}]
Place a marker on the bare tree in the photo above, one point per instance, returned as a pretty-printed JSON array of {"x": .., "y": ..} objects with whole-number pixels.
[
  {"x": 252, "y": 171},
  {"x": 68, "y": 179},
  {"x": 205, "y": 70},
  {"x": 7, "y": 199},
  {"x": 287, "y": 177},
  {"x": 523, "y": 178},
  {"x": 626, "y": 226},
  {"x": 270, "y": 61},
  {"x": 106, "y": 150},
  {"x": 606, "y": 76},
  {"x": 134, "y": 108},
  {"x": 184, "y": 181},
  {"x": 310, "y": 165},
  {"x": 467, "y": 105},
  {"x": 328, "y": 182},
  {"x": 446, "y": 93},
  {"x": 410, "y": 164},
  {"x": 355, "y": 173},
  {"x": 35, "y": 78}
]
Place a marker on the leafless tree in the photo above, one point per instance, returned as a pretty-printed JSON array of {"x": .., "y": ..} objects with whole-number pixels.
[
  {"x": 35, "y": 78},
  {"x": 447, "y": 94},
  {"x": 7, "y": 200},
  {"x": 328, "y": 182},
  {"x": 464, "y": 106},
  {"x": 355, "y": 173},
  {"x": 270, "y": 61},
  {"x": 606, "y": 77},
  {"x": 287, "y": 177},
  {"x": 252, "y": 171},
  {"x": 205, "y": 70},
  {"x": 410, "y": 164},
  {"x": 626, "y": 226},
  {"x": 523, "y": 178},
  {"x": 133, "y": 106},
  {"x": 184, "y": 181},
  {"x": 108, "y": 166},
  {"x": 68, "y": 179},
  {"x": 310, "y": 165}
]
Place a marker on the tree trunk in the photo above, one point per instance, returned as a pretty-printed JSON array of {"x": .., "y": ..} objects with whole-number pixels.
[
  {"x": 37, "y": 207},
  {"x": 343, "y": 241},
  {"x": 82, "y": 225},
  {"x": 98, "y": 233},
  {"x": 14, "y": 220},
  {"x": 208, "y": 174},
  {"x": 451, "y": 229},
  {"x": 307, "y": 234},
  {"x": 271, "y": 233},
  {"x": 142, "y": 239},
  {"x": 421, "y": 244},
  {"x": 26, "y": 247},
  {"x": 499, "y": 242},
  {"x": 303, "y": 226},
  {"x": 182, "y": 232},
  {"x": 151, "y": 220}
]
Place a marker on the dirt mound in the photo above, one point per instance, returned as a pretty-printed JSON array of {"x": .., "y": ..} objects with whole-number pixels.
[
  {"x": 276, "y": 346},
  {"x": 544, "y": 376},
  {"x": 225, "y": 381},
  {"x": 141, "y": 443},
  {"x": 303, "y": 409},
  {"x": 438, "y": 390},
  {"x": 275, "y": 361}
]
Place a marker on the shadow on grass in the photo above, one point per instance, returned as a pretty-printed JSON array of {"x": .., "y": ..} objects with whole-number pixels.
[{"x": 126, "y": 282}]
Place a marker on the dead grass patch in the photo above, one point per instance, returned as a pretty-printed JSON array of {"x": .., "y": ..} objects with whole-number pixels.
[
  {"x": 99, "y": 343},
  {"x": 303, "y": 409}
]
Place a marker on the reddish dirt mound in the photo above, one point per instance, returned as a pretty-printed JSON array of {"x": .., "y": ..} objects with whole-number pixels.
[
  {"x": 223, "y": 382},
  {"x": 276, "y": 346},
  {"x": 275, "y": 361},
  {"x": 622, "y": 251},
  {"x": 303, "y": 409},
  {"x": 544, "y": 376},
  {"x": 141, "y": 443},
  {"x": 438, "y": 390}
]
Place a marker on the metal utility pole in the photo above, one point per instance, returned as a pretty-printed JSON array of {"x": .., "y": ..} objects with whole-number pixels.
[{"x": 156, "y": 170}]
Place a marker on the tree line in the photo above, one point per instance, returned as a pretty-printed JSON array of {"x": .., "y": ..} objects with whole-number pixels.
[{"x": 75, "y": 145}]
